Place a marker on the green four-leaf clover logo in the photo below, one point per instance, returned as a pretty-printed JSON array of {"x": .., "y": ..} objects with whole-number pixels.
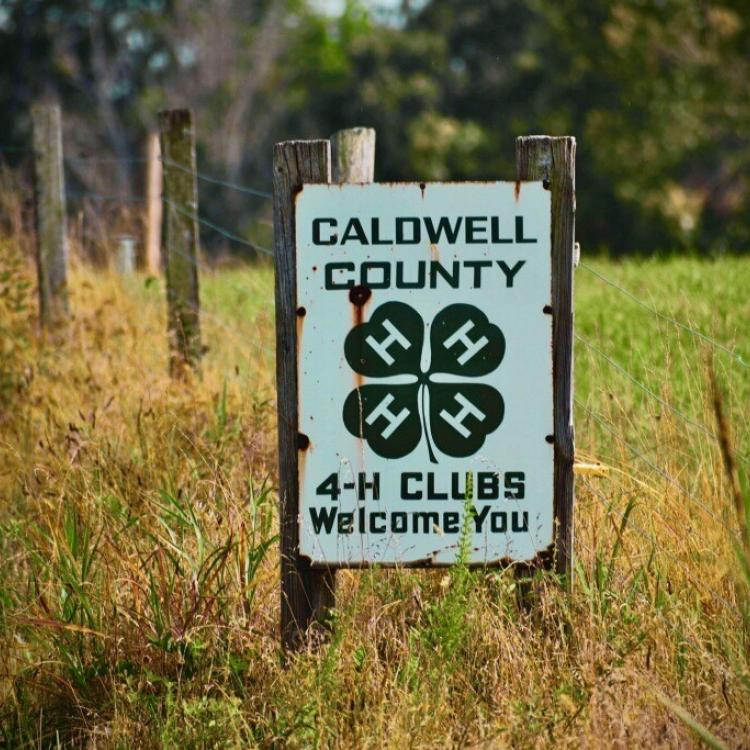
[{"x": 454, "y": 413}]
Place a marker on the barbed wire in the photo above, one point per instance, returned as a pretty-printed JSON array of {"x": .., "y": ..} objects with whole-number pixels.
[
  {"x": 217, "y": 181},
  {"x": 168, "y": 162},
  {"x": 234, "y": 333},
  {"x": 697, "y": 501},
  {"x": 666, "y": 404},
  {"x": 693, "y": 331},
  {"x": 689, "y": 640},
  {"x": 197, "y": 217},
  {"x": 221, "y": 230}
]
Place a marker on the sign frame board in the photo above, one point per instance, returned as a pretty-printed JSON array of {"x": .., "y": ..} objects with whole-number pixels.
[{"x": 424, "y": 373}]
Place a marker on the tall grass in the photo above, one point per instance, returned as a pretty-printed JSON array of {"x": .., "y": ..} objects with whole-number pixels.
[{"x": 139, "y": 569}]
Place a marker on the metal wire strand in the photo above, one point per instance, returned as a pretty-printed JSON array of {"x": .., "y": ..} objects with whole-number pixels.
[
  {"x": 221, "y": 230},
  {"x": 207, "y": 269},
  {"x": 602, "y": 499},
  {"x": 698, "y": 425},
  {"x": 693, "y": 331},
  {"x": 697, "y": 501},
  {"x": 216, "y": 180}
]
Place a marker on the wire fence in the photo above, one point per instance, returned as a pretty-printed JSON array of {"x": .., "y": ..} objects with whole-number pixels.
[
  {"x": 627, "y": 522},
  {"x": 658, "y": 399},
  {"x": 184, "y": 210},
  {"x": 667, "y": 318},
  {"x": 690, "y": 496},
  {"x": 219, "y": 229},
  {"x": 236, "y": 335},
  {"x": 217, "y": 181}
]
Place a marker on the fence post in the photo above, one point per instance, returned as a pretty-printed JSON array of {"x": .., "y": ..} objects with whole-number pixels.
[
  {"x": 153, "y": 205},
  {"x": 541, "y": 157},
  {"x": 51, "y": 230},
  {"x": 307, "y": 594},
  {"x": 180, "y": 239},
  {"x": 125, "y": 254},
  {"x": 353, "y": 155}
]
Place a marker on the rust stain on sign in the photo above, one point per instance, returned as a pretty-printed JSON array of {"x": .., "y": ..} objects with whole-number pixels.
[
  {"x": 360, "y": 297},
  {"x": 301, "y": 312}
]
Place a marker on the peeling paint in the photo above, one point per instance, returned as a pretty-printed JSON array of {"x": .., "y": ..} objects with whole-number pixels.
[{"x": 359, "y": 297}]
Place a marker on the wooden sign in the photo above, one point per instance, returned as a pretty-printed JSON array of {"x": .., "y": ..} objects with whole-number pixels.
[{"x": 424, "y": 371}]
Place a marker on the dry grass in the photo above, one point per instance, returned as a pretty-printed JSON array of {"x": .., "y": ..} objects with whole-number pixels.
[{"x": 138, "y": 565}]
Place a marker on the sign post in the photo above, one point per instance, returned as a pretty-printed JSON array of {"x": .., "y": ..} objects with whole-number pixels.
[
  {"x": 306, "y": 593},
  {"x": 554, "y": 161},
  {"x": 423, "y": 371}
]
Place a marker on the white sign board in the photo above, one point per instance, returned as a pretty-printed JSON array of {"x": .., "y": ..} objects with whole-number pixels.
[{"x": 424, "y": 372}]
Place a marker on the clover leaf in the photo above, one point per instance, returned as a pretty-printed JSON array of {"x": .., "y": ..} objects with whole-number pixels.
[
  {"x": 390, "y": 343},
  {"x": 453, "y": 413}
]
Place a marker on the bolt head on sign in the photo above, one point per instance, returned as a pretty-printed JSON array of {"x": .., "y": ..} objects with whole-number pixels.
[{"x": 425, "y": 372}]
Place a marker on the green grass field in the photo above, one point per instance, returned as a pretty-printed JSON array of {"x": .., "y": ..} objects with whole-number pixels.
[{"x": 139, "y": 564}]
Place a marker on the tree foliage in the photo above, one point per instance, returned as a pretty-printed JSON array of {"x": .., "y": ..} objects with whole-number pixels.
[{"x": 654, "y": 92}]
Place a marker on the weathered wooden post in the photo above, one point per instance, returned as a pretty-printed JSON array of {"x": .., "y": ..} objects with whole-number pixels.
[
  {"x": 180, "y": 238},
  {"x": 306, "y": 593},
  {"x": 541, "y": 157},
  {"x": 51, "y": 229},
  {"x": 353, "y": 155},
  {"x": 152, "y": 260}
]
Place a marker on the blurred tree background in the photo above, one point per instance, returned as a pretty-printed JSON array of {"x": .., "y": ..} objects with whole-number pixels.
[{"x": 655, "y": 91}]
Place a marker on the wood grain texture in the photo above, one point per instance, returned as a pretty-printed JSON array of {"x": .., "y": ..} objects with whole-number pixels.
[
  {"x": 307, "y": 594},
  {"x": 51, "y": 225},
  {"x": 553, "y": 160},
  {"x": 180, "y": 239},
  {"x": 353, "y": 153}
]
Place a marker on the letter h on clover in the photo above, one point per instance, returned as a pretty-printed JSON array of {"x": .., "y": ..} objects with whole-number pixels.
[{"x": 443, "y": 403}]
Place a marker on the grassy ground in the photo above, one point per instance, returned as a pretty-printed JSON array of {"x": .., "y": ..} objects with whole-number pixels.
[{"x": 138, "y": 563}]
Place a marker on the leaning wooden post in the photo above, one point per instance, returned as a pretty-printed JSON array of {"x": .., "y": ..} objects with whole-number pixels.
[
  {"x": 51, "y": 229},
  {"x": 353, "y": 155},
  {"x": 153, "y": 205},
  {"x": 541, "y": 157},
  {"x": 307, "y": 594},
  {"x": 180, "y": 239}
]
